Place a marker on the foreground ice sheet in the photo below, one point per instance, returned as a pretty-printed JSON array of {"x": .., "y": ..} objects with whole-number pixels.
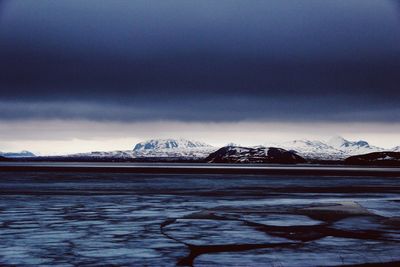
[{"x": 133, "y": 220}]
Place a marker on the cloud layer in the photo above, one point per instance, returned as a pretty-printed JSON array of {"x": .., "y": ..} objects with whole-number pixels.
[{"x": 200, "y": 61}]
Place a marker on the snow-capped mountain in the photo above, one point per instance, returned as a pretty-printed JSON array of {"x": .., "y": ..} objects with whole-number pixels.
[
  {"x": 158, "y": 148},
  {"x": 162, "y": 144},
  {"x": 334, "y": 149},
  {"x": 352, "y": 147},
  {"x": 173, "y": 148},
  {"x": 313, "y": 149},
  {"x": 21, "y": 154},
  {"x": 120, "y": 154},
  {"x": 337, "y": 148},
  {"x": 259, "y": 154}
]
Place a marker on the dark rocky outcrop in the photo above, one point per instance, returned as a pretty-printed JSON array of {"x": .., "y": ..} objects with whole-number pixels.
[
  {"x": 387, "y": 158},
  {"x": 238, "y": 154}
]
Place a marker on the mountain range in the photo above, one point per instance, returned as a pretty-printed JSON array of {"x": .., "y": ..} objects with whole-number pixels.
[
  {"x": 158, "y": 148},
  {"x": 21, "y": 154},
  {"x": 336, "y": 148},
  {"x": 177, "y": 148}
]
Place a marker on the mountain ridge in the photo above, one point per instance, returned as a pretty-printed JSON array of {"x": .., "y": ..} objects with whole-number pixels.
[
  {"x": 336, "y": 148},
  {"x": 169, "y": 143},
  {"x": 259, "y": 154},
  {"x": 20, "y": 154},
  {"x": 386, "y": 158},
  {"x": 158, "y": 148}
]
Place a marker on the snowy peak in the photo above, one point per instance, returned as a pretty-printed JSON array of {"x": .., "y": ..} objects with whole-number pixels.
[
  {"x": 158, "y": 148},
  {"x": 336, "y": 148},
  {"x": 168, "y": 144},
  {"x": 307, "y": 144},
  {"x": 313, "y": 149},
  {"x": 173, "y": 148},
  {"x": 340, "y": 142},
  {"x": 337, "y": 142}
]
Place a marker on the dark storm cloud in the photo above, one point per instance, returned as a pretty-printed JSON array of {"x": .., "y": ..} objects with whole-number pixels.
[{"x": 200, "y": 60}]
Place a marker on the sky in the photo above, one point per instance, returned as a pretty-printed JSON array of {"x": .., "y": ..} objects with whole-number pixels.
[{"x": 79, "y": 76}]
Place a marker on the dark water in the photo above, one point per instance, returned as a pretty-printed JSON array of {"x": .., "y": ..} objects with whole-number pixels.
[{"x": 78, "y": 219}]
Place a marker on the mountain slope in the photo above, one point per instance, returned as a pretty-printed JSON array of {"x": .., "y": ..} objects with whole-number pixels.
[
  {"x": 119, "y": 154},
  {"x": 396, "y": 149},
  {"x": 387, "y": 158},
  {"x": 352, "y": 147},
  {"x": 313, "y": 149},
  {"x": 167, "y": 144},
  {"x": 337, "y": 148},
  {"x": 175, "y": 148},
  {"x": 22, "y": 154},
  {"x": 238, "y": 154},
  {"x": 158, "y": 148}
]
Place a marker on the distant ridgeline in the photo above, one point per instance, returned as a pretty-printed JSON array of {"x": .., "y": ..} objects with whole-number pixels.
[
  {"x": 376, "y": 158},
  {"x": 336, "y": 151},
  {"x": 22, "y": 154}
]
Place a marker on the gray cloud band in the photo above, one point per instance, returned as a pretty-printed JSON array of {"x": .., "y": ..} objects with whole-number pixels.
[
  {"x": 210, "y": 61},
  {"x": 200, "y": 110}
]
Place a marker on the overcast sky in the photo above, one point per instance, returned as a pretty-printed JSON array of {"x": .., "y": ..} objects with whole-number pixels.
[{"x": 148, "y": 66}]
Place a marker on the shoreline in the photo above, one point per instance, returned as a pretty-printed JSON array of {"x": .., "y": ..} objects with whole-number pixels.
[{"x": 233, "y": 169}]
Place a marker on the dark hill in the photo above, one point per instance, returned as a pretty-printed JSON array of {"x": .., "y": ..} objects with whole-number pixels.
[
  {"x": 237, "y": 154},
  {"x": 376, "y": 158}
]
